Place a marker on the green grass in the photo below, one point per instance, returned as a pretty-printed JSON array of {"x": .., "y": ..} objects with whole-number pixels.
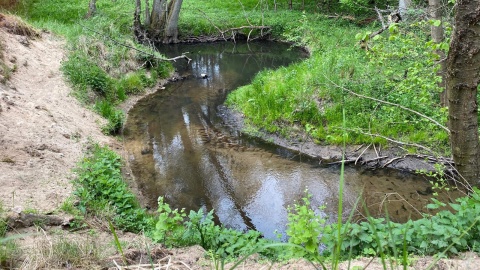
[{"x": 312, "y": 94}]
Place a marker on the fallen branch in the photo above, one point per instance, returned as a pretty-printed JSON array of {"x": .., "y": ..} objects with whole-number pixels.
[
  {"x": 138, "y": 50},
  {"x": 392, "y": 18},
  {"x": 235, "y": 30},
  {"x": 25, "y": 220},
  {"x": 392, "y": 104}
]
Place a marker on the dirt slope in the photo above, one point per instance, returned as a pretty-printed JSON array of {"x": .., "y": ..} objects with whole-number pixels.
[{"x": 43, "y": 129}]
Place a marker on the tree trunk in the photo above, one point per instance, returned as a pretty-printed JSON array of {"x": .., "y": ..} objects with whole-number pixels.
[
  {"x": 157, "y": 19},
  {"x": 437, "y": 37},
  {"x": 137, "y": 25},
  {"x": 171, "y": 29},
  {"x": 147, "y": 13},
  {"x": 92, "y": 9},
  {"x": 463, "y": 74},
  {"x": 403, "y": 6}
]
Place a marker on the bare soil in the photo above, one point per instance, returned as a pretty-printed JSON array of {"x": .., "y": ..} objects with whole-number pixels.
[{"x": 43, "y": 134}]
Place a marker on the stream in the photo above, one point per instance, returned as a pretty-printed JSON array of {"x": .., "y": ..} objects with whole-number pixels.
[{"x": 180, "y": 147}]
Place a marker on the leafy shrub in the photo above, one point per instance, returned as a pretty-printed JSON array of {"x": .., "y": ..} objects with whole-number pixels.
[
  {"x": 175, "y": 228},
  {"x": 169, "y": 228},
  {"x": 99, "y": 186},
  {"x": 447, "y": 231},
  {"x": 304, "y": 229}
]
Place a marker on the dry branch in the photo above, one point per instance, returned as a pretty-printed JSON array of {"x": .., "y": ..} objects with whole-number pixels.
[
  {"x": 234, "y": 30},
  {"x": 25, "y": 220},
  {"x": 392, "y": 104},
  {"x": 183, "y": 56}
]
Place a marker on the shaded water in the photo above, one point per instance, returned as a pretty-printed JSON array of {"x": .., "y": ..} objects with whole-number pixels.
[{"x": 179, "y": 148}]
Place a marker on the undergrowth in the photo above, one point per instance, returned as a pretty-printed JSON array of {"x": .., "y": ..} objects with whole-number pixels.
[{"x": 101, "y": 191}]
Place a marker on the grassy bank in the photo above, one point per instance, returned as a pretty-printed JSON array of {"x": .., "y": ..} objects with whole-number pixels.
[{"x": 397, "y": 70}]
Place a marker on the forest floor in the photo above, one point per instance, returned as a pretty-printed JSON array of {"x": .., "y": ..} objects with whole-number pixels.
[{"x": 44, "y": 132}]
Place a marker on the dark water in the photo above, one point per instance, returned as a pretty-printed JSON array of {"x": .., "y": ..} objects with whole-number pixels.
[{"x": 179, "y": 148}]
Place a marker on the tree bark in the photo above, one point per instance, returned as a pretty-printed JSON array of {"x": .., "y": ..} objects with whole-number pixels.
[
  {"x": 157, "y": 23},
  {"x": 92, "y": 9},
  {"x": 147, "y": 13},
  {"x": 171, "y": 29},
  {"x": 463, "y": 74},
  {"x": 137, "y": 25},
  {"x": 438, "y": 37}
]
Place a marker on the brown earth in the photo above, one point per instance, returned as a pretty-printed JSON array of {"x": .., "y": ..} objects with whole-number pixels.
[{"x": 43, "y": 133}]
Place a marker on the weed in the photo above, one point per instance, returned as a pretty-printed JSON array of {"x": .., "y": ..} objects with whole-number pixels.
[
  {"x": 304, "y": 228},
  {"x": 99, "y": 186}
]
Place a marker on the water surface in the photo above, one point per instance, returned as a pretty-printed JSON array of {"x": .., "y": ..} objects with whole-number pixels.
[{"x": 180, "y": 148}]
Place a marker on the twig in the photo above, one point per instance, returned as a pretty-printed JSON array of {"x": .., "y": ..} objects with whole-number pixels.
[
  {"x": 394, "y": 141},
  {"x": 390, "y": 161},
  {"x": 208, "y": 19},
  {"x": 362, "y": 153},
  {"x": 358, "y": 148},
  {"x": 235, "y": 29},
  {"x": 375, "y": 159},
  {"x": 380, "y": 18},
  {"x": 116, "y": 264},
  {"x": 375, "y": 148}
]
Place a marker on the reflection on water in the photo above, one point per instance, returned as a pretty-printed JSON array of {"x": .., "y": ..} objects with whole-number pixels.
[{"x": 179, "y": 149}]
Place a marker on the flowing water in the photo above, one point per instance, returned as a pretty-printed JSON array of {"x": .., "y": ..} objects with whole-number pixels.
[{"x": 180, "y": 148}]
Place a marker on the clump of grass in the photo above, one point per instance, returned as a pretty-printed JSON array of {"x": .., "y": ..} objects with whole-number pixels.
[{"x": 62, "y": 251}]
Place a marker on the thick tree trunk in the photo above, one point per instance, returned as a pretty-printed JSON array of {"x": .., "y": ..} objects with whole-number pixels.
[
  {"x": 92, "y": 9},
  {"x": 157, "y": 19},
  {"x": 403, "y": 6},
  {"x": 437, "y": 37},
  {"x": 171, "y": 30},
  {"x": 463, "y": 74}
]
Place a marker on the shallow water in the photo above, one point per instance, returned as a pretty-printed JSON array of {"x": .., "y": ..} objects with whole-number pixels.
[{"x": 179, "y": 148}]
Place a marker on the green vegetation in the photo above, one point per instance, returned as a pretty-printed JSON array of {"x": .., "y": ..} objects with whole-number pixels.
[
  {"x": 396, "y": 67},
  {"x": 105, "y": 63},
  {"x": 175, "y": 228},
  {"x": 102, "y": 191},
  {"x": 8, "y": 248}
]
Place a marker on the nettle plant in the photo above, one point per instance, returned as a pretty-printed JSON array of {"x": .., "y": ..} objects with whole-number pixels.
[{"x": 175, "y": 228}]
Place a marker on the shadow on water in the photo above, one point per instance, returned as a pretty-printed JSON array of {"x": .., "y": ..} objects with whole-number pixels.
[{"x": 179, "y": 149}]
